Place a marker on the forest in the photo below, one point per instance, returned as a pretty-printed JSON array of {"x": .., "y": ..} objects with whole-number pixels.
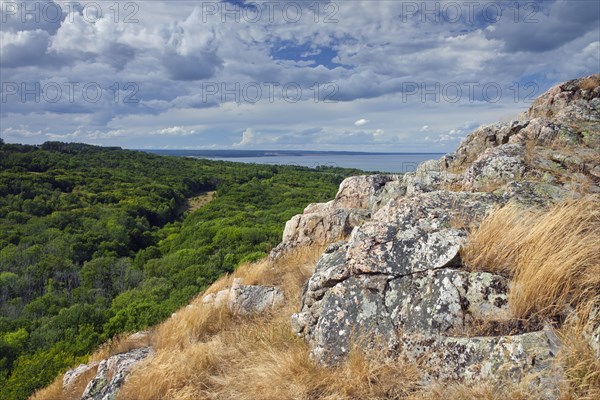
[{"x": 98, "y": 241}]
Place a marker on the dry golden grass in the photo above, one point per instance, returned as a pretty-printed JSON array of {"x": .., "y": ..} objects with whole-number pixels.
[
  {"x": 494, "y": 246},
  {"x": 206, "y": 353},
  {"x": 481, "y": 391},
  {"x": 580, "y": 363},
  {"x": 56, "y": 391},
  {"x": 552, "y": 256},
  {"x": 52, "y": 392},
  {"x": 263, "y": 360},
  {"x": 590, "y": 83}
]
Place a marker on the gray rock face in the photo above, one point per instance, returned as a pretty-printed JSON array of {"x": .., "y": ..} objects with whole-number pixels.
[
  {"x": 342, "y": 304},
  {"x": 497, "y": 358},
  {"x": 398, "y": 284},
  {"x": 325, "y": 223},
  {"x": 397, "y": 273},
  {"x": 480, "y": 140},
  {"x": 246, "y": 299},
  {"x": 253, "y": 299},
  {"x": 529, "y": 193},
  {"x": 73, "y": 374},
  {"x": 496, "y": 165},
  {"x": 574, "y": 102},
  {"x": 111, "y": 374},
  {"x": 544, "y": 132},
  {"x": 318, "y": 225},
  {"x": 358, "y": 191},
  {"x": 429, "y": 176}
]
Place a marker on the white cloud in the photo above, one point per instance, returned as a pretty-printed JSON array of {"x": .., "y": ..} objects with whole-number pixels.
[
  {"x": 361, "y": 122},
  {"x": 21, "y": 132},
  {"x": 247, "y": 138},
  {"x": 175, "y": 130}
]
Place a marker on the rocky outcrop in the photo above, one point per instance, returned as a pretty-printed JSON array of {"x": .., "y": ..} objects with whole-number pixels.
[
  {"x": 571, "y": 103},
  {"x": 500, "y": 164},
  {"x": 321, "y": 224},
  {"x": 246, "y": 299},
  {"x": 493, "y": 358},
  {"x": 379, "y": 277},
  {"x": 72, "y": 375},
  {"x": 396, "y": 279},
  {"x": 111, "y": 374},
  {"x": 253, "y": 299},
  {"x": 482, "y": 139}
]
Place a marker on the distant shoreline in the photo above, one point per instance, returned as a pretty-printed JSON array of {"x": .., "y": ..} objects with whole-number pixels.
[{"x": 273, "y": 153}]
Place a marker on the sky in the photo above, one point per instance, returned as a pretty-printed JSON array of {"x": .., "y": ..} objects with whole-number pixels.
[{"x": 352, "y": 75}]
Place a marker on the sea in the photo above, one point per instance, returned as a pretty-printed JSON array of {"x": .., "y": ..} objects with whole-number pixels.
[{"x": 369, "y": 162}]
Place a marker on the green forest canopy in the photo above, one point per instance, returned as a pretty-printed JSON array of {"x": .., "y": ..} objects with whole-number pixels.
[{"x": 96, "y": 241}]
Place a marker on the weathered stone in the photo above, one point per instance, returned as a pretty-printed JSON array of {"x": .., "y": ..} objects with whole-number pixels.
[
  {"x": 253, "y": 299},
  {"x": 530, "y": 193},
  {"x": 499, "y": 358},
  {"x": 319, "y": 225},
  {"x": 217, "y": 300},
  {"x": 111, "y": 374},
  {"x": 356, "y": 192},
  {"x": 339, "y": 307},
  {"x": 73, "y": 374},
  {"x": 497, "y": 165},
  {"x": 429, "y": 176},
  {"x": 382, "y": 248},
  {"x": 480, "y": 140},
  {"x": 543, "y": 132},
  {"x": 246, "y": 299},
  {"x": 574, "y": 102},
  {"x": 437, "y": 210}
]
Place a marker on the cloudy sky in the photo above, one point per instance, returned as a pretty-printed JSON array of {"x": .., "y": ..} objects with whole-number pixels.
[{"x": 370, "y": 75}]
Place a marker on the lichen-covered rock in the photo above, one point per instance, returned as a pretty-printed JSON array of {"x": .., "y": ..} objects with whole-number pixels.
[
  {"x": 429, "y": 176},
  {"x": 341, "y": 305},
  {"x": 319, "y": 225},
  {"x": 324, "y": 223},
  {"x": 530, "y": 193},
  {"x": 111, "y": 374},
  {"x": 397, "y": 273},
  {"x": 480, "y": 140},
  {"x": 543, "y": 132},
  {"x": 575, "y": 102},
  {"x": 246, "y": 299},
  {"x": 384, "y": 249},
  {"x": 357, "y": 192},
  {"x": 74, "y": 374},
  {"x": 397, "y": 281},
  {"x": 496, "y": 358},
  {"x": 253, "y": 299},
  {"x": 437, "y": 210},
  {"x": 496, "y": 165}
]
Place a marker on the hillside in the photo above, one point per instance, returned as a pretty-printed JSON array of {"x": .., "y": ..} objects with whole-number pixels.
[
  {"x": 476, "y": 277},
  {"x": 98, "y": 241}
]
